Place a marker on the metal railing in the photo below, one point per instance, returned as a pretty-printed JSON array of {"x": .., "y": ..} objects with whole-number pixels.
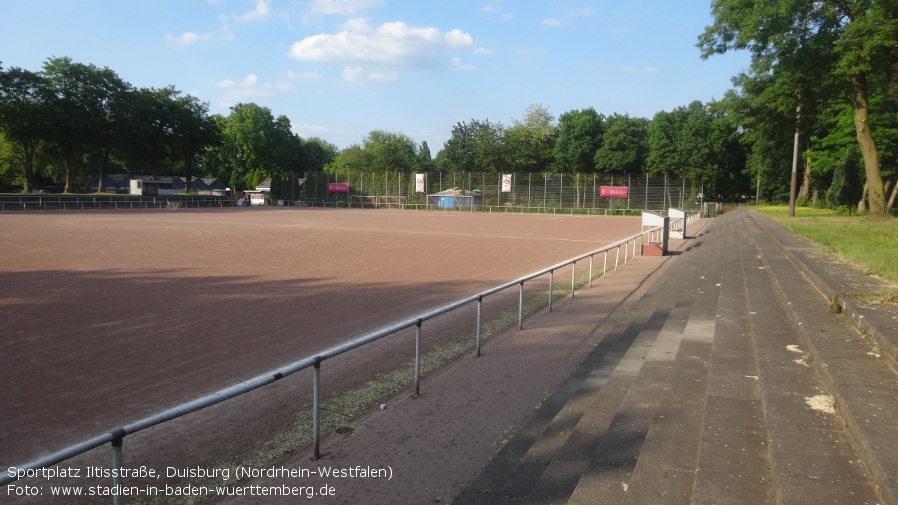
[
  {"x": 108, "y": 202},
  {"x": 622, "y": 251}
]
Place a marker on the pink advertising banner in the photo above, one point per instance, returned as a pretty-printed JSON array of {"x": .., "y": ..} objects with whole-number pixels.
[
  {"x": 338, "y": 187},
  {"x": 614, "y": 191}
]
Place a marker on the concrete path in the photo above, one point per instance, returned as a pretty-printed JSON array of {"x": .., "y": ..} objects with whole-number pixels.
[{"x": 714, "y": 375}]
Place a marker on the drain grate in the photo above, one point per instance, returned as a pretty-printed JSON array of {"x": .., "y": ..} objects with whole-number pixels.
[{"x": 344, "y": 430}]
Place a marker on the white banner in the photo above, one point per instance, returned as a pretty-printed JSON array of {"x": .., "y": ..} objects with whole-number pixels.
[
  {"x": 419, "y": 183},
  {"x": 506, "y": 183}
]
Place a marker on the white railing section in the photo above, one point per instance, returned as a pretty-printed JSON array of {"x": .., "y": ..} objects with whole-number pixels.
[{"x": 624, "y": 250}]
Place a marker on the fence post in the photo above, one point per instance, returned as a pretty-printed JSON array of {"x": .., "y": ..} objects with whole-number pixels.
[
  {"x": 117, "y": 464},
  {"x": 521, "y": 306},
  {"x": 418, "y": 358},
  {"x": 316, "y": 410},
  {"x": 590, "y": 270},
  {"x": 479, "y": 310},
  {"x": 551, "y": 288},
  {"x": 573, "y": 277}
]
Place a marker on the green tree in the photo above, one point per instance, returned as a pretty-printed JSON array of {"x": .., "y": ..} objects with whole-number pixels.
[
  {"x": 624, "y": 145},
  {"x": 72, "y": 120},
  {"x": 531, "y": 140},
  {"x": 24, "y": 118},
  {"x": 850, "y": 39},
  {"x": 263, "y": 145},
  {"x": 425, "y": 159},
  {"x": 846, "y": 187},
  {"x": 390, "y": 151},
  {"x": 663, "y": 142},
  {"x": 458, "y": 152},
  {"x": 316, "y": 153},
  {"x": 143, "y": 134},
  {"x": 489, "y": 150},
  {"x": 193, "y": 131},
  {"x": 579, "y": 138},
  {"x": 353, "y": 159}
]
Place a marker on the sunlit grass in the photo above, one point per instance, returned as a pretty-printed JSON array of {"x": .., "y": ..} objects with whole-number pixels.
[{"x": 871, "y": 243}]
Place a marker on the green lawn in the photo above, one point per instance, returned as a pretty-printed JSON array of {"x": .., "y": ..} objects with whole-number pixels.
[{"x": 871, "y": 243}]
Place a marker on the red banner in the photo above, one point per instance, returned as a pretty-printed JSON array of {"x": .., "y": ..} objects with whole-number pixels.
[
  {"x": 614, "y": 191},
  {"x": 338, "y": 187}
]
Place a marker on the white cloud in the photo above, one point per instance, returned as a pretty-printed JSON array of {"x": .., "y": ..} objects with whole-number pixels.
[
  {"x": 260, "y": 12},
  {"x": 344, "y": 7},
  {"x": 360, "y": 76},
  {"x": 358, "y": 25},
  {"x": 394, "y": 44},
  {"x": 457, "y": 64},
  {"x": 187, "y": 38},
  {"x": 482, "y": 51},
  {"x": 248, "y": 88},
  {"x": 493, "y": 8}
]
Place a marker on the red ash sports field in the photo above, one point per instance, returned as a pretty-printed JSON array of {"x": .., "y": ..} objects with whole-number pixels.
[{"x": 109, "y": 317}]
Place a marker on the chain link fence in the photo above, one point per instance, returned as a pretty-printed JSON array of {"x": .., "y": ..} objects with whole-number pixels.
[{"x": 524, "y": 192}]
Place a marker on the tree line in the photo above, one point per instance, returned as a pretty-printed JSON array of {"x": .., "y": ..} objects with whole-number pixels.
[
  {"x": 821, "y": 92},
  {"x": 70, "y": 121}
]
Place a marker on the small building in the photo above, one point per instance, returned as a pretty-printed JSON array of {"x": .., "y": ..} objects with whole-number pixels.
[
  {"x": 148, "y": 185},
  {"x": 112, "y": 183},
  {"x": 455, "y": 198},
  {"x": 255, "y": 197}
]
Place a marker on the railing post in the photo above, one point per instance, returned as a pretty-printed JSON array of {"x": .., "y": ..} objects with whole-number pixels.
[
  {"x": 521, "y": 307},
  {"x": 634, "y": 249},
  {"x": 551, "y": 287},
  {"x": 117, "y": 463},
  {"x": 573, "y": 277},
  {"x": 418, "y": 358},
  {"x": 605, "y": 266},
  {"x": 590, "y": 270},
  {"x": 626, "y": 251},
  {"x": 479, "y": 310},
  {"x": 617, "y": 258},
  {"x": 316, "y": 410}
]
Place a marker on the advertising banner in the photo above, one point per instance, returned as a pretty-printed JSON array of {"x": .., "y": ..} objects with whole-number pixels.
[
  {"x": 419, "y": 183},
  {"x": 614, "y": 191},
  {"x": 506, "y": 183},
  {"x": 338, "y": 187}
]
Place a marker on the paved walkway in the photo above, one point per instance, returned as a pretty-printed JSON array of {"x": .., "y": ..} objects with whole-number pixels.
[{"x": 682, "y": 379}]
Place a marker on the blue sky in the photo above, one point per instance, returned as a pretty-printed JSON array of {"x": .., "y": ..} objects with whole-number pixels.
[{"x": 340, "y": 68}]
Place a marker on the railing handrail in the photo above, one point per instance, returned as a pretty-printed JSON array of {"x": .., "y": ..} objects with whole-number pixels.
[{"x": 261, "y": 380}]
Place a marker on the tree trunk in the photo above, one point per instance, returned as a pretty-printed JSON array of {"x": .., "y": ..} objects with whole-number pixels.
[
  {"x": 68, "y": 178},
  {"x": 103, "y": 162},
  {"x": 805, "y": 189},
  {"x": 876, "y": 195},
  {"x": 29, "y": 174},
  {"x": 892, "y": 197}
]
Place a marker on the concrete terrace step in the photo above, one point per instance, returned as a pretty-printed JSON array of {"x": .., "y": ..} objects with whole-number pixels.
[
  {"x": 863, "y": 388},
  {"x": 718, "y": 387},
  {"x": 642, "y": 426},
  {"x": 544, "y": 461}
]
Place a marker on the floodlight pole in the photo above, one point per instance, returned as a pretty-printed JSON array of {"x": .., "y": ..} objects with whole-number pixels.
[{"x": 234, "y": 157}]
